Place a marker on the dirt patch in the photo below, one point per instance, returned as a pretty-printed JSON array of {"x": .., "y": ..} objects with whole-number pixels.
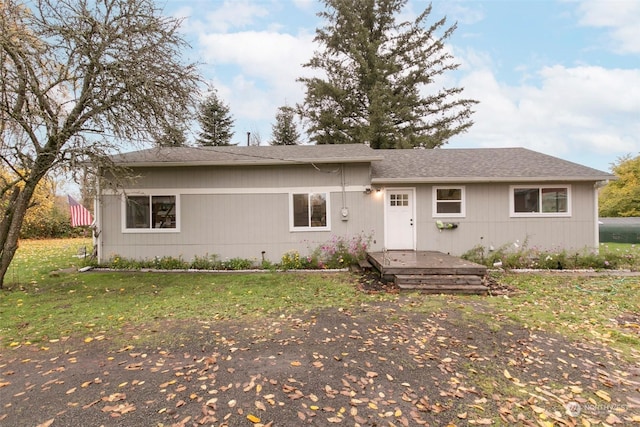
[{"x": 378, "y": 365}]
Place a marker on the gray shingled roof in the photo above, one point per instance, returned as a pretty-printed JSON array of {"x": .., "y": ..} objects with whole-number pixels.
[
  {"x": 388, "y": 166},
  {"x": 478, "y": 165},
  {"x": 252, "y": 155}
]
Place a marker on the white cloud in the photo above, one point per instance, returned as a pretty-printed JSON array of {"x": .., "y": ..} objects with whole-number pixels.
[
  {"x": 463, "y": 12},
  {"x": 264, "y": 66},
  {"x": 307, "y": 5},
  {"x": 621, "y": 17},
  {"x": 275, "y": 57},
  {"x": 587, "y": 110},
  {"x": 229, "y": 15}
]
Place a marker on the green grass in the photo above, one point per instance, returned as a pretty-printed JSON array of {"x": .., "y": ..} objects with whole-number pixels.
[
  {"x": 39, "y": 306},
  {"x": 601, "y": 309},
  {"x": 613, "y": 246},
  {"x": 36, "y": 259},
  {"x": 45, "y": 306},
  {"x": 100, "y": 303}
]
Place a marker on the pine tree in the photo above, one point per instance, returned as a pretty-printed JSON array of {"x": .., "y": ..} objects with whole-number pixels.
[
  {"x": 216, "y": 122},
  {"x": 284, "y": 130},
  {"x": 379, "y": 79},
  {"x": 172, "y": 136}
]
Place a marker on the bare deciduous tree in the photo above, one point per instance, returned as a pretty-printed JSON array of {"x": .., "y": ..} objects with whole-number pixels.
[{"x": 77, "y": 78}]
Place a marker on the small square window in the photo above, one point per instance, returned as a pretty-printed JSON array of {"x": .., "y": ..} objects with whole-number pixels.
[
  {"x": 401, "y": 199},
  {"x": 448, "y": 202}
]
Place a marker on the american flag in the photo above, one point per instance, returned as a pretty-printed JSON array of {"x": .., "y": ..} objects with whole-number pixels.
[{"x": 79, "y": 214}]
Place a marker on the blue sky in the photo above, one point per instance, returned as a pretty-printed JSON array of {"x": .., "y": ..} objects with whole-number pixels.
[{"x": 557, "y": 76}]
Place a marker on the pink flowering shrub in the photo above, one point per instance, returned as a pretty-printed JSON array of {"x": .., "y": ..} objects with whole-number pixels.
[{"x": 340, "y": 251}]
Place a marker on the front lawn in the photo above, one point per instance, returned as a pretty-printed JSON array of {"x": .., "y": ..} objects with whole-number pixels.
[
  {"x": 46, "y": 299},
  {"x": 310, "y": 348}
]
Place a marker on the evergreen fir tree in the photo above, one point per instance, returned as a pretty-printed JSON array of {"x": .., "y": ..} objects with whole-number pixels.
[
  {"x": 172, "y": 136},
  {"x": 284, "y": 130},
  {"x": 216, "y": 122},
  {"x": 379, "y": 79}
]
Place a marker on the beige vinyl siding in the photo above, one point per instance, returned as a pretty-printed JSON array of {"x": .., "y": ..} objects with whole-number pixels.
[
  {"x": 488, "y": 222},
  {"x": 214, "y": 221},
  {"x": 251, "y": 177},
  {"x": 240, "y": 211}
]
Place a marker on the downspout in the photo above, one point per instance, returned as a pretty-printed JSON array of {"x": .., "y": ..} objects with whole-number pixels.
[{"x": 97, "y": 231}]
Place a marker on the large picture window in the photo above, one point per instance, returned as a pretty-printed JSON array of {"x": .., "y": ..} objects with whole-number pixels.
[
  {"x": 150, "y": 212},
  {"x": 448, "y": 202},
  {"x": 553, "y": 200},
  {"x": 309, "y": 211}
]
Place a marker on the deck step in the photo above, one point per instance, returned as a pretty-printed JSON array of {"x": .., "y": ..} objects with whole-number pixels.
[
  {"x": 364, "y": 264},
  {"x": 441, "y": 283},
  {"x": 439, "y": 279}
]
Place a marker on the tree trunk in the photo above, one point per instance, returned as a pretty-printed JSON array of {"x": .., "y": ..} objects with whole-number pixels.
[{"x": 11, "y": 225}]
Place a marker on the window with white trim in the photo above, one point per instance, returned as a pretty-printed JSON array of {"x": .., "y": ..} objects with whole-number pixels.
[
  {"x": 552, "y": 200},
  {"x": 151, "y": 212},
  {"x": 310, "y": 211},
  {"x": 448, "y": 201}
]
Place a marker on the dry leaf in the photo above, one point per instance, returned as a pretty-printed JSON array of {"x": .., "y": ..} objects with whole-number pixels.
[
  {"x": 253, "y": 419},
  {"x": 613, "y": 419},
  {"x": 603, "y": 395},
  {"x": 46, "y": 423}
]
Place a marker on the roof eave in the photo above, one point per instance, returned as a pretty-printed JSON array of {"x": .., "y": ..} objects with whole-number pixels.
[
  {"x": 150, "y": 164},
  {"x": 479, "y": 179}
]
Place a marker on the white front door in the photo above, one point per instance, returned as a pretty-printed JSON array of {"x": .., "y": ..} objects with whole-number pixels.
[{"x": 399, "y": 219}]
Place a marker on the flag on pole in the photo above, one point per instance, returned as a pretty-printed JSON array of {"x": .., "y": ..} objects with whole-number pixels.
[{"x": 79, "y": 214}]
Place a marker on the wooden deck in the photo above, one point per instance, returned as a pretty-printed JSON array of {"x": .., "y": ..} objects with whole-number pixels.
[{"x": 430, "y": 271}]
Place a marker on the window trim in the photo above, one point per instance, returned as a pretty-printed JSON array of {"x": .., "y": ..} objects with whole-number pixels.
[
  {"x": 540, "y": 187},
  {"x": 293, "y": 228},
  {"x": 150, "y": 194},
  {"x": 435, "y": 201}
]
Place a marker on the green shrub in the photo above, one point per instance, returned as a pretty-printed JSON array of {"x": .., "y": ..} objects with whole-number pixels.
[
  {"x": 207, "y": 262},
  {"x": 168, "y": 263},
  {"x": 515, "y": 256},
  {"x": 339, "y": 252},
  {"x": 236, "y": 264},
  {"x": 54, "y": 225},
  {"x": 292, "y": 260}
]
